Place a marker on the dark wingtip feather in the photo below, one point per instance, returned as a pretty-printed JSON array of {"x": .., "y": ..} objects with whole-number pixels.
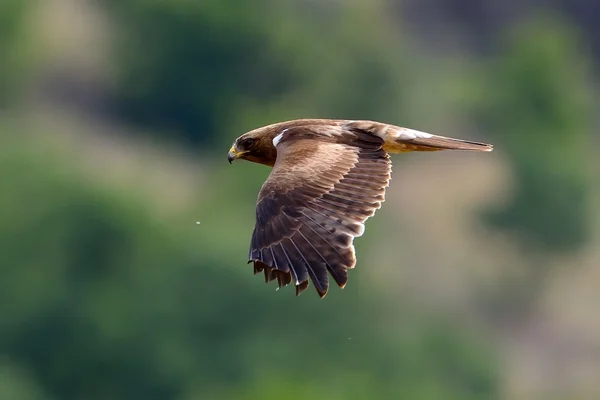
[
  {"x": 258, "y": 266},
  {"x": 270, "y": 275},
  {"x": 301, "y": 287},
  {"x": 283, "y": 278}
]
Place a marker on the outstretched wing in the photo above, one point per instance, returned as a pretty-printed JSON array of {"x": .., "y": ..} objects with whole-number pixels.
[{"x": 326, "y": 182}]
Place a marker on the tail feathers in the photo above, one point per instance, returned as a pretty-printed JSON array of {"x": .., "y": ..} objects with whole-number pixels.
[{"x": 445, "y": 143}]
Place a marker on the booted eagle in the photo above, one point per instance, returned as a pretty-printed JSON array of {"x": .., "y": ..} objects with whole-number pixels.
[{"x": 328, "y": 177}]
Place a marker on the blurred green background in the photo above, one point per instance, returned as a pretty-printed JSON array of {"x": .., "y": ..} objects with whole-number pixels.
[{"x": 124, "y": 231}]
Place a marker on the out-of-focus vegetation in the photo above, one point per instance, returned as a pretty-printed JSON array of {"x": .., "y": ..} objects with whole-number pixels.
[
  {"x": 210, "y": 61},
  {"x": 541, "y": 114},
  {"x": 16, "y": 59},
  {"x": 124, "y": 231}
]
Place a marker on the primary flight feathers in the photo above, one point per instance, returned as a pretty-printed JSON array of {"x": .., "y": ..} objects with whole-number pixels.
[{"x": 328, "y": 177}]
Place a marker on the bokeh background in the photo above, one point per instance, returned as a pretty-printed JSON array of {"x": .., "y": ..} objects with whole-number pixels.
[{"x": 124, "y": 231}]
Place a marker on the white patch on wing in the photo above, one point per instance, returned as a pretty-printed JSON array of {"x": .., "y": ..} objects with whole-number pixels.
[
  {"x": 277, "y": 138},
  {"x": 411, "y": 134},
  {"x": 361, "y": 230}
]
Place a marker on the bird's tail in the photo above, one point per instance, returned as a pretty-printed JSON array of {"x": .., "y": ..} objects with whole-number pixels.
[{"x": 434, "y": 142}]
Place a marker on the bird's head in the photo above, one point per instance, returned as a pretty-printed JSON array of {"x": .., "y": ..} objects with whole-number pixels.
[{"x": 256, "y": 146}]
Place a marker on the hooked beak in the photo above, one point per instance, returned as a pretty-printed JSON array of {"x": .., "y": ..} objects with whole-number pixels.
[{"x": 232, "y": 155}]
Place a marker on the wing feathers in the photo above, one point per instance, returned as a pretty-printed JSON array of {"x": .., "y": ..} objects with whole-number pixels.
[
  {"x": 315, "y": 228},
  {"x": 331, "y": 256},
  {"x": 297, "y": 264},
  {"x": 333, "y": 204},
  {"x": 316, "y": 267}
]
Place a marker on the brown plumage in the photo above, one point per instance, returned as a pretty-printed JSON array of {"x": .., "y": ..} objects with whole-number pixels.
[{"x": 328, "y": 177}]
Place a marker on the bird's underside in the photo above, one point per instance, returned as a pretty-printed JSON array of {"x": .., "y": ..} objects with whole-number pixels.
[{"x": 328, "y": 177}]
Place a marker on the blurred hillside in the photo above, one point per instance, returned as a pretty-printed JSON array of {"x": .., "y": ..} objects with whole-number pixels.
[{"x": 124, "y": 231}]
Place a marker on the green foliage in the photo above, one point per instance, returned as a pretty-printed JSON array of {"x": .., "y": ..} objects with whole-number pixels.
[
  {"x": 14, "y": 49},
  {"x": 17, "y": 384},
  {"x": 540, "y": 110},
  {"x": 201, "y": 67},
  {"x": 101, "y": 299}
]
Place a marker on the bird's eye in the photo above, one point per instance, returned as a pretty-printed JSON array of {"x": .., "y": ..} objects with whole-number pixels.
[{"x": 247, "y": 143}]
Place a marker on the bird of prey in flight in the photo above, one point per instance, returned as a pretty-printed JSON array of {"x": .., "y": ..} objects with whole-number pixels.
[{"x": 328, "y": 176}]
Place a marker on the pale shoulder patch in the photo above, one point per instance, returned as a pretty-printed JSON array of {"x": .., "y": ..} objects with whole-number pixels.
[
  {"x": 278, "y": 138},
  {"x": 411, "y": 134}
]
